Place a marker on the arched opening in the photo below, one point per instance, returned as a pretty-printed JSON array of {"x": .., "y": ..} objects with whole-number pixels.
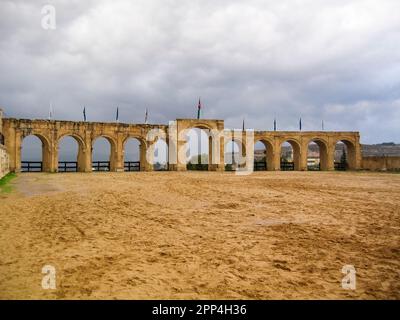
[
  {"x": 2, "y": 139},
  {"x": 102, "y": 150},
  {"x": 35, "y": 154},
  {"x": 160, "y": 159},
  {"x": 132, "y": 155},
  {"x": 345, "y": 155},
  {"x": 198, "y": 154},
  {"x": 317, "y": 155},
  {"x": 234, "y": 155},
  {"x": 290, "y": 156},
  {"x": 263, "y": 156},
  {"x": 70, "y": 154}
]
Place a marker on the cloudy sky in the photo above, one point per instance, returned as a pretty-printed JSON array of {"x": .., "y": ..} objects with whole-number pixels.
[{"x": 337, "y": 61}]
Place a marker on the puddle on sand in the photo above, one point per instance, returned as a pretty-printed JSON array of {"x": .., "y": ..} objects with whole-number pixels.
[
  {"x": 274, "y": 222},
  {"x": 32, "y": 186}
]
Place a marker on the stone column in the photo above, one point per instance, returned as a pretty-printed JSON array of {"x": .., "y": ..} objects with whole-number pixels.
[
  {"x": 149, "y": 155},
  {"x": 172, "y": 141},
  {"x": 277, "y": 154},
  {"x": 358, "y": 153},
  {"x": 119, "y": 154},
  {"x": 330, "y": 161},
  {"x": 53, "y": 151},
  {"x": 323, "y": 156},
  {"x": 270, "y": 156},
  {"x": 221, "y": 166},
  {"x": 181, "y": 150},
  {"x": 216, "y": 148},
  {"x": 297, "y": 156},
  {"x": 13, "y": 145},
  {"x": 143, "y": 161},
  {"x": 81, "y": 158},
  {"x": 54, "y": 159},
  {"x": 87, "y": 154},
  {"x": 303, "y": 154},
  {"x": 171, "y": 166}
]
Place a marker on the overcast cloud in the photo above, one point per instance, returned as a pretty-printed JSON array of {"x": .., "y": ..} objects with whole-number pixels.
[{"x": 333, "y": 60}]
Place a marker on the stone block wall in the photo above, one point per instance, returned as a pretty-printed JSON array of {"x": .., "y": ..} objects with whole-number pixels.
[{"x": 381, "y": 163}]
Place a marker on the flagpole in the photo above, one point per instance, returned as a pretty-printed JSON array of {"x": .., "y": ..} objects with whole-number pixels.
[
  {"x": 51, "y": 111},
  {"x": 198, "y": 109},
  {"x": 233, "y": 145}
]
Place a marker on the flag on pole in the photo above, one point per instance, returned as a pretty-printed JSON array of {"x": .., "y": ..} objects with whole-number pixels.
[
  {"x": 274, "y": 124},
  {"x": 233, "y": 149},
  {"x": 146, "y": 116},
  {"x": 116, "y": 117},
  {"x": 198, "y": 109},
  {"x": 84, "y": 114},
  {"x": 300, "y": 124},
  {"x": 50, "y": 111},
  {"x": 243, "y": 125}
]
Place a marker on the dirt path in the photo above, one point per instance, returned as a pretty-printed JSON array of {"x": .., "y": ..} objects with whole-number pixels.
[{"x": 201, "y": 235}]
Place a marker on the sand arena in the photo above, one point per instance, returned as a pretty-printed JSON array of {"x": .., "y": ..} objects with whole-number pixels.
[{"x": 201, "y": 235}]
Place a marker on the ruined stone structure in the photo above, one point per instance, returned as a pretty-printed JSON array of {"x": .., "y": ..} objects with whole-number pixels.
[
  {"x": 4, "y": 159},
  {"x": 4, "y": 162},
  {"x": 50, "y": 132}
]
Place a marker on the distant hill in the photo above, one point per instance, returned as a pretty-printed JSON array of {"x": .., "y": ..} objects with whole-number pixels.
[{"x": 389, "y": 149}]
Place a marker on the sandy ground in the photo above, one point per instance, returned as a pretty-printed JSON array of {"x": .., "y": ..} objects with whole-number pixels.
[{"x": 270, "y": 235}]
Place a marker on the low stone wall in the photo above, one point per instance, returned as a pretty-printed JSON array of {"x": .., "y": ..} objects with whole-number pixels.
[
  {"x": 381, "y": 163},
  {"x": 4, "y": 162}
]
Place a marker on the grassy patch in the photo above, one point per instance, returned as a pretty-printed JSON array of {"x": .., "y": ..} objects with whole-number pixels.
[{"x": 4, "y": 182}]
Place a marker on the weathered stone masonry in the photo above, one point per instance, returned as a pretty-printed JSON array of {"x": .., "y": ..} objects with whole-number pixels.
[
  {"x": 85, "y": 133},
  {"x": 4, "y": 159}
]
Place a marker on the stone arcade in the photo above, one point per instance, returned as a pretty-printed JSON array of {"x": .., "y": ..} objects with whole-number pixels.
[{"x": 50, "y": 132}]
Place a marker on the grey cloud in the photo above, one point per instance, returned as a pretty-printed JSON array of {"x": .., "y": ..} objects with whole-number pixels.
[{"x": 337, "y": 60}]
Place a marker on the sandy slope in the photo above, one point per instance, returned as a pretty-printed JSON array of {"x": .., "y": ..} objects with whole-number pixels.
[{"x": 201, "y": 235}]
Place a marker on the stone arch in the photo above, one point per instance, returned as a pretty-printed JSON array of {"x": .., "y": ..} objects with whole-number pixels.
[
  {"x": 206, "y": 129},
  {"x": 240, "y": 161},
  {"x": 201, "y": 125},
  {"x": 46, "y": 149},
  {"x": 79, "y": 139},
  {"x": 113, "y": 149},
  {"x": 269, "y": 152},
  {"x": 160, "y": 155},
  {"x": 111, "y": 140},
  {"x": 133, "y": 136},
  {"x": 215, "y": 129},
  {"x": 323, "y": 152},
  {"x": 82, "y": 149},
  {"x": 296, "y": 152},
  {"x": 351, "y": 151},
  {"x": 142, "y": 150}
]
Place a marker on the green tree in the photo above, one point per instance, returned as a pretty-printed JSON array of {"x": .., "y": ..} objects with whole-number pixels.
[{"x": 343, "y": 158}]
